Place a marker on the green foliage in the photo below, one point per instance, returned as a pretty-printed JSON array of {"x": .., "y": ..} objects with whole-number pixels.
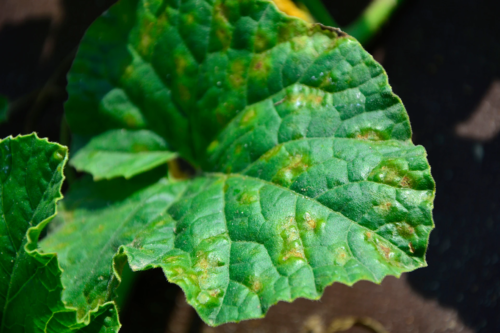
[
  {"x": 309, "y": 175},
  {"x": 30, "y": 281},
  {"x": 122, "y": 153}
]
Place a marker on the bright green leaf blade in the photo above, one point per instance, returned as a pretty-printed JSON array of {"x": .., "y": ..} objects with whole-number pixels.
[
  {"x": 30, "y": 282},
  {"x": 4, "y": 108},
  {"x": 122, "y": 153},
  {"x": 249, "y": 244},
  {"x": 239, "y": 244}
]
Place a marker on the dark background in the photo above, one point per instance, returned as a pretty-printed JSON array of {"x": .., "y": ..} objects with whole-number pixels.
[{"x": 443, "y": 60}]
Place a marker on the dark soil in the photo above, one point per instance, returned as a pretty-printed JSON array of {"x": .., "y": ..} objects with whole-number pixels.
[{"x": 443, "y": 60}]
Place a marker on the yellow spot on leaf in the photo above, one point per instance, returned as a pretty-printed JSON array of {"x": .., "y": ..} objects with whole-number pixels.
[
  {"x": 214, "y": 292},
  {"x": 256, "y": 286},
  {"x": 341, "y": 256},
  {"x": 297, "y": 164},
  {"x": 189, "y": 19},
  {"x": 247, "y": 198},
  {"x": 203, "y": 298},
  {"x": 180, "y": 64},
  {"x": 310, "y": 221},
  {"x": 213, "y": 145},
  {"x": 271, "y": 153},
  {"x": 295, "y": 253},
  {"x": 386, "y": 206},
  {"x": 236, "y": 73},
  {"x": 249, "y": 116}
]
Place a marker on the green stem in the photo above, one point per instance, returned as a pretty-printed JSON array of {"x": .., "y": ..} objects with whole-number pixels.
[
  {"x": 372, "y": 19},
  {"x": 319, "y": 12}
]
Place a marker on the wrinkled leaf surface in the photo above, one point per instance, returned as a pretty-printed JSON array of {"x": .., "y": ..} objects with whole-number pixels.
[
  {"x": 31, "y": 174},
  {"x": 310, "y": 173}
]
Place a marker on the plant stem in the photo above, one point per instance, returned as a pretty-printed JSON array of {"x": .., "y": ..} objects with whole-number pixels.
[
  {"x": 372, "y": 19},
  {"x": 319, "y": 12}
]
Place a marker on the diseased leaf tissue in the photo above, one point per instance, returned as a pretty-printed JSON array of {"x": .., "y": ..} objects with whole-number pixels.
[{"x": 309, "y": 173}]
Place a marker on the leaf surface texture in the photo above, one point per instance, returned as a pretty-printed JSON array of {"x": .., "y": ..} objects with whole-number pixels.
[
  {"x": 310, "y": 176},
  {"x": 30, "y": 281},
  {"x": 122, "y": 153}
]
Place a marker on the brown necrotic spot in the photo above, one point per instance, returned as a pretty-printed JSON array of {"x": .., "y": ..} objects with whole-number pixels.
[
  {"x": 370, "y": 135},
  {"x": 256, "y": 285},
  {"x": 392, "y": 172},
  {"x": 293, "y": 253},
  {"x": 385, "y": 250},
  {"x": 311, "y": 223},
  {"x": 386, "y": 206},
  {"x": 405, "y": 230},
  {"x": 405, "y": 182}
]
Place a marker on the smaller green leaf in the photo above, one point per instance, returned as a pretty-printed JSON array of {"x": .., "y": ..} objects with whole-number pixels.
[
  {"x": 4, "y": 108},
  {"x": 122, "y": 153},
  {"x": 31, "y": 175}
]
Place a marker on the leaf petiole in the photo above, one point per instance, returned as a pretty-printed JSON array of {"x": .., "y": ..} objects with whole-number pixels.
[{"x": 372, "y": 19}]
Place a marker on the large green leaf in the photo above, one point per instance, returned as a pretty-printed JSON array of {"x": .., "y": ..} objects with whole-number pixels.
[
  {"x": 30, "y": 282},
  {"x": 184, "y": 69},
  {"x": 312, "y": 177},
  {"x": 122, "y": 153},
  {"x": 238, "y": 244}
]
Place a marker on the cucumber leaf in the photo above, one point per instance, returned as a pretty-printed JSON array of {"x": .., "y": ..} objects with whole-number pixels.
[
  {"x": 310, "y": 173},
  {"x": 31, "y": 175},
  {"x": 239, "y": 244},
  {"x": 122, "y": 153}
]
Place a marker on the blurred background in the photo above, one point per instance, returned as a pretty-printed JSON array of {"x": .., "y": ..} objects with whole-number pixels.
[{"x": 443, "y": 60}]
